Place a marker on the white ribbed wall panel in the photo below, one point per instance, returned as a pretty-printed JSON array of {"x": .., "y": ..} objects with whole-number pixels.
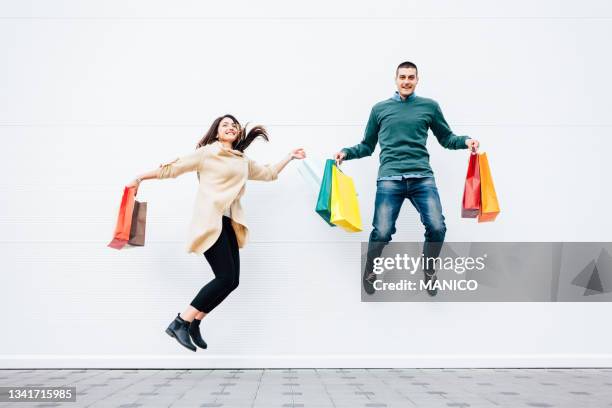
[{"x": 94, "y": 93}]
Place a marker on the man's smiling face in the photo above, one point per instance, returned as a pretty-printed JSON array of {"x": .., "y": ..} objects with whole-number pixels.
[{"x": 406, "y": 81}]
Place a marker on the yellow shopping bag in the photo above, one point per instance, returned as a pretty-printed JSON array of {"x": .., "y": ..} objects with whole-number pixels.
[
  {"x": 489, "y": 207},
  {"x": 344, "y": 204}
]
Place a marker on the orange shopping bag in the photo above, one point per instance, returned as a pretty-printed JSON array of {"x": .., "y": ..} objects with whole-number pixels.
[
  {"x": 489, "y": 207},
  {"x": 124, "y": 219}
]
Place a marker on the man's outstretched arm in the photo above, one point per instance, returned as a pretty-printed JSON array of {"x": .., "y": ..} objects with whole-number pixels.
[
  {"x": 445, "y": 135},
  {"x": 367, "y": 145}
]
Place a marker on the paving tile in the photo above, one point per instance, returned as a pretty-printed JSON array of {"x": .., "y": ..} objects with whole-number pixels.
[{"x": 336, "y": 388}]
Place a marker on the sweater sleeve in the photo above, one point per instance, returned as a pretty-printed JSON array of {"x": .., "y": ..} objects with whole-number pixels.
[
  {"x": 180, "y": 165},
  {"x": 444, "y": 134},
  {"x": 261, "y": 172},
  {"x": 368, "y": 144}
]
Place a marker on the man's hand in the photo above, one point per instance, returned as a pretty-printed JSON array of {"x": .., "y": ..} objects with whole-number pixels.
[
  {"x": 472, "y": 144},
  {"x": 339, "y": 157}
]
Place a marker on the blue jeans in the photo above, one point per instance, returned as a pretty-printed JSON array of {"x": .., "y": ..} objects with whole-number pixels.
[{"x": 390, "y": 195}]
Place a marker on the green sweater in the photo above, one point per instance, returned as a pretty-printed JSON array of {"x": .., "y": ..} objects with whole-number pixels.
[{"x": 400, "y": 126}]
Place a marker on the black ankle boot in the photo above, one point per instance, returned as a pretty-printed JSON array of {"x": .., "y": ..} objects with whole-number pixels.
[
  {"x": 196, "y": 336},
  {"x": 431, "y": 276},
  {"x": 368, "y": 280},
  {"x": 179, "y": 329}
]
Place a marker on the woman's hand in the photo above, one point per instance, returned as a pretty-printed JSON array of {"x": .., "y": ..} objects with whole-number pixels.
[
  {"x": 134, "y": 184},
  {"x": 298, "y": 153}
]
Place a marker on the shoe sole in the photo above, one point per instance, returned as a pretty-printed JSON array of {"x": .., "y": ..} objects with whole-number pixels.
[{"x": 171, "y": 334}]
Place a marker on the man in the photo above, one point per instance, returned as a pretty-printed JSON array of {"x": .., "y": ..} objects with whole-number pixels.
[{"x": 400, "y": 124}]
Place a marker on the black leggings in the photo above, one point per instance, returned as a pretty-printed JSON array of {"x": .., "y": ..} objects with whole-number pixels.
[{"x": 225, "y": 263}]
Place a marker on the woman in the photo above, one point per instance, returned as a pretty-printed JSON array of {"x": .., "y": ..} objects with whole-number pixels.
[{"x": 217, "y": 227}]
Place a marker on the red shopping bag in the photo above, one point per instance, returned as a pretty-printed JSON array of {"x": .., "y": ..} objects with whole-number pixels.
[
  {"x": 124, "y": 219},
  {"x": 470, "y": 207}
]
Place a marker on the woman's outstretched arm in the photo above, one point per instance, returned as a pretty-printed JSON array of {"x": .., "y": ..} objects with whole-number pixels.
[
  {"x": 180, "y": 165},
  {"x": 270, "y": 172},
  {"x": 294, "y": 154}
]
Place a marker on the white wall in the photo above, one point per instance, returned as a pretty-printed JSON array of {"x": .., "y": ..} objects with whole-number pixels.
[{"x": 95, "y": 93}]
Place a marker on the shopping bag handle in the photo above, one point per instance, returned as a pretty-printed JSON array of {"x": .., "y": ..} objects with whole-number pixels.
[{"x": 338, "y": 167}]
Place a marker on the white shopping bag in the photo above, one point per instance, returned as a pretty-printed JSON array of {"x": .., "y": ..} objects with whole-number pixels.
[{"x": 311, "y": 171}]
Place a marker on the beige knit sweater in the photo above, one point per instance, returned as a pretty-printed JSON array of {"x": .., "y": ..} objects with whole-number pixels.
[{"x": 223, "y": 175}]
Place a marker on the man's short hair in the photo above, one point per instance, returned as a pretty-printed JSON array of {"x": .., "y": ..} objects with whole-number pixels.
[{"x": 406, "y": 64}]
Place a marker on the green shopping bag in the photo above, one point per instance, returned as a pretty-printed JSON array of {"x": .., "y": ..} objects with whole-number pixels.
[{"x": 324, "y": 201}]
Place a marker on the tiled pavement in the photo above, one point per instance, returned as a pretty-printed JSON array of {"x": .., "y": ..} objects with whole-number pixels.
[{"x": 431, "y": 388}]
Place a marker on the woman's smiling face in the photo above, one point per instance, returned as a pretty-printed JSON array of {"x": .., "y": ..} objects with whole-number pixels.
[{"x": 228, "y": 130}]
